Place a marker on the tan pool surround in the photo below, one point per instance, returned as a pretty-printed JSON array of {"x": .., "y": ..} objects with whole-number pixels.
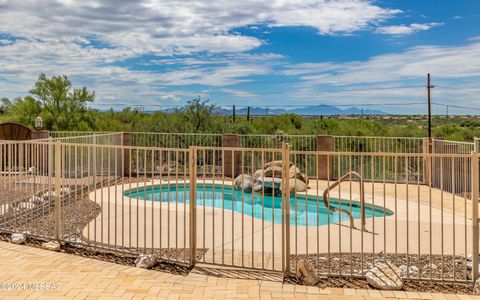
[{"x": 424, "y": 215}]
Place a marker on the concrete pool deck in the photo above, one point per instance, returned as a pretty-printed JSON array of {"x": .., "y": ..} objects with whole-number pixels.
[{"x": 421, "y": 224}]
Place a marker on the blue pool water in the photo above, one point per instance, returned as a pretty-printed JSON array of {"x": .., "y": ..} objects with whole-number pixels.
[{"x": 303, "y": 210}]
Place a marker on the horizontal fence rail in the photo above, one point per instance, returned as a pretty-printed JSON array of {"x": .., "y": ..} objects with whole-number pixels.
[
  {"x": 259, "y": 208},
  {"x": 175, "y": 140}
]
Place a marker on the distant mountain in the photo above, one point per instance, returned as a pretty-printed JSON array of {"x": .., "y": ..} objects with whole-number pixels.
[
  {"x": 322, "y": 109},
  {"x": 318, "y": 110}
]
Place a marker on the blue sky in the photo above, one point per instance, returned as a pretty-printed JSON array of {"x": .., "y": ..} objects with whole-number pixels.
[{"x": 161, "y": 53}]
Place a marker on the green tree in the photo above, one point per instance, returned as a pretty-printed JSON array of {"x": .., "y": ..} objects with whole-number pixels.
[
  {"x": 197, "y": 116},
  {"x": 63, "y": 108},
  {"x": 6, "y": 105},
  {"x": 26, "y": 110}
]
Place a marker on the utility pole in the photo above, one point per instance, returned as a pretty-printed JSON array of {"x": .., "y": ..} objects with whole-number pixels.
[
  {"x": 248, "y": 114},
  {"x": 429, "y": 107},
  {"x": 233, "y": 114}
]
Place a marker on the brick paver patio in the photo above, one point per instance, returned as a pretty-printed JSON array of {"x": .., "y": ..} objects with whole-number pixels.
[{"x": 84, "y": 278}]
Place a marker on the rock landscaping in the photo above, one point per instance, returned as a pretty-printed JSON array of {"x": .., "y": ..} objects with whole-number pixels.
[
  {"x": 269, "y": 177},
  {"x": 341, "y": 267},
  {"x": 384, "y": 276}
]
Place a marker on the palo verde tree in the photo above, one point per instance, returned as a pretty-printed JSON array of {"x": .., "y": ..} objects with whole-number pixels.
[
  {"x": 197, "y": 116},
  {"x": 63, "y": 107}
]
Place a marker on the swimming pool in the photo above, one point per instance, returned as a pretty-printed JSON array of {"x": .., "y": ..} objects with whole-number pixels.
[{"x": 303, "y": 210}]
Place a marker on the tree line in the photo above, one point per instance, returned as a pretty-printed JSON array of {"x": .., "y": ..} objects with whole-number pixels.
[{"x": 64, "y": 107}]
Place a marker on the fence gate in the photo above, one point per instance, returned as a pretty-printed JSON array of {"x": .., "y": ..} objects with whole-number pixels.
[{"x": 231, "y": 225}]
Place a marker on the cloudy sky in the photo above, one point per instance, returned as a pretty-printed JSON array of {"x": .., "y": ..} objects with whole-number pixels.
[{"x": 161, "y": 53}]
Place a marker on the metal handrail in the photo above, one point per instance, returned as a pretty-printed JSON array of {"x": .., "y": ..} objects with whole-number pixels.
[{"x": 339, "y": 209}]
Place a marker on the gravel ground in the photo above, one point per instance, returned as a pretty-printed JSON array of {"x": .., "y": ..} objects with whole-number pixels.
[{"x": 426, "y": 267}]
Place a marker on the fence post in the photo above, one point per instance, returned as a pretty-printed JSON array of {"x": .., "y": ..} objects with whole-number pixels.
[
  {"x": 427, "y": 148},
  {"x": 474, "y": 216},
  {"x": 193, "y": 204},
  {"x": 58, "y": 190},
  {"x": 286, "y": 198},
  {"x": 126, "y": 141},
  {"x": 231, "y": 158},
  {"x": 325, "y": 167}
]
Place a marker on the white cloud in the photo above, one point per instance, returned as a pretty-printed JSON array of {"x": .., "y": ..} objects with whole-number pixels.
[
  {"x": 163, "y": 26},
  {"x": 449, "y": 66},
  {"x": 87, "y": 40},
  {"x": 406, "y": 29},
  {"x": 444, "y": 62}
]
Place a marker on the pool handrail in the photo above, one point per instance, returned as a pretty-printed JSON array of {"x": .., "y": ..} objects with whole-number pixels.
[{"x": 339, "y": 209}]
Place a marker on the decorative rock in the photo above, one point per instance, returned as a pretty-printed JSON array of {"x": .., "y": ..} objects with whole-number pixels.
[
  {"x": 306, "y": 273},
  {"x": 470, "y": 265},
  {"x": 146, "y": 261},
  {"x": 258, "y": 174},
  {"x": 273, "y": 183},
  {"x": 18, "y": 238},
  {"x": 274, "y": 171},
  {"x": 52, "y": 246},
  {"x": 275, "y": 163},
  {"x": 294, "y": 172},
  {"x": 296, "y": 185},
  {"x": 476, "y": 286},
  {"x": 405, "y": 271},
  {"x": 384, "y": 276},
  {"x": 434, "y": 267},
  {"x": 257, "y": 188},
  {"x": 243, "y": 182}
]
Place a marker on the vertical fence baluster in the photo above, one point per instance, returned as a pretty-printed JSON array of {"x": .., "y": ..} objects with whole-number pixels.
[
  {"x": 193, "y": 195},
  {"x": 474, "y": 216}
]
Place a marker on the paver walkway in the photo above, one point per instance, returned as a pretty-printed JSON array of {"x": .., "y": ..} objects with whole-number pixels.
[{"x": 51, "y": 275}]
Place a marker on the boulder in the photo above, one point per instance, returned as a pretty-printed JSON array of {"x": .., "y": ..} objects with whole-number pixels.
[
  {"x": 384, "y": 276},
  {"x": 258, "y": 174},
  {"x": 269, "y": 182},
  {"x": 257, "y": 188},
  {"x": 146, "y": 261},
  {"x": 52, "y": 246},
  {"x": 18, "y": 238},
  {"x": 273, "y": 172},
  {"x": 294, "y": 172},
  {"x": 275, "y": 163},
  {"x": 306, "y": 273},
  {"x": 296, "y": 186},
  {"x": 243, "y": 182}
]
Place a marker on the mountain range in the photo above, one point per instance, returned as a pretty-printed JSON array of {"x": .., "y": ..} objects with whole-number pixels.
[{"x": 317, "y": 110}]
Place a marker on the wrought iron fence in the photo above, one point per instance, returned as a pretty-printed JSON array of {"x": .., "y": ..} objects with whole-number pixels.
[{"x": 248, "y": 207}]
